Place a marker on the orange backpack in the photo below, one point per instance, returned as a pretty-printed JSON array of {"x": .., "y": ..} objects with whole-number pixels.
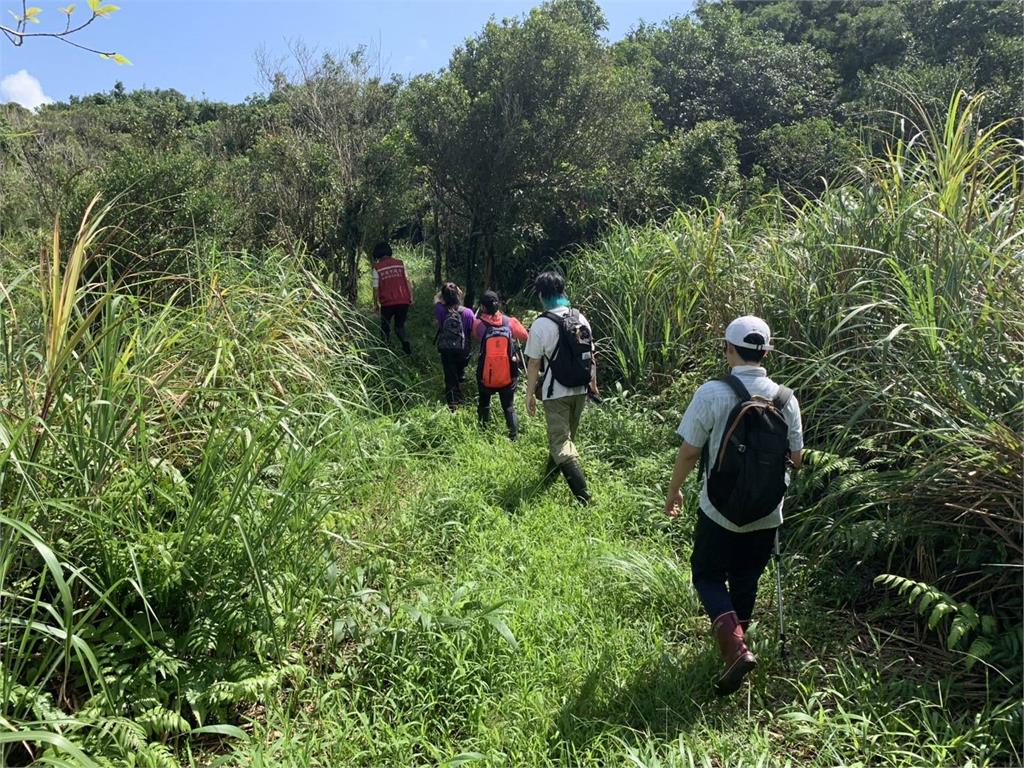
[{"x": 497, "y": 355}]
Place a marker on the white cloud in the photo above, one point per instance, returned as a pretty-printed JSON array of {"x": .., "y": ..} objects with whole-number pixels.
[{"x": 22, "y": 88}]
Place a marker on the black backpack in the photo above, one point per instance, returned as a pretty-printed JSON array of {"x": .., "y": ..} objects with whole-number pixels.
[
  {"x": 451, "y": 336},
  {"x": 747, "y": 478},
  {"x": 574, "y": 356}
]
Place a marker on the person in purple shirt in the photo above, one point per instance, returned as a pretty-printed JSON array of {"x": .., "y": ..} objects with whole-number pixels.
[{"x": 454, "y": 331}]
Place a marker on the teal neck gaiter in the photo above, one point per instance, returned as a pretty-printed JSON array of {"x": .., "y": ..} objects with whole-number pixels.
[{"x": 555, "y": 301}]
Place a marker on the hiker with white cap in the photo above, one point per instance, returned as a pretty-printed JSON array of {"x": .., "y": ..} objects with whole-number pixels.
[{"x": 745, "y": 430}]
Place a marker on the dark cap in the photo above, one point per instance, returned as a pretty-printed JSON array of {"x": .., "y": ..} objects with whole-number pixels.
[{"x": 490, "y": 300}]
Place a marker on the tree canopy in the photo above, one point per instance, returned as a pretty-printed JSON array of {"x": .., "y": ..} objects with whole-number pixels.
[{"x": 537, "y": 135}]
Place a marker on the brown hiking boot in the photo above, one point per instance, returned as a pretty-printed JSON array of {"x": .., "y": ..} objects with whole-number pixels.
[{"x": 737, "y": 657}]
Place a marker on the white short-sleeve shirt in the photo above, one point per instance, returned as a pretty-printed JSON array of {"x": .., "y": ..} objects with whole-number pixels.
[
  {"x": 705, "y": 419},
  {"x": 542, "y": 343}
]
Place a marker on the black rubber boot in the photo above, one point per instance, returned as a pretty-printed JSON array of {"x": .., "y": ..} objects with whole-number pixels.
[
  {"x": 550, "y": 472},
  {"x": 577, "y": 482}
]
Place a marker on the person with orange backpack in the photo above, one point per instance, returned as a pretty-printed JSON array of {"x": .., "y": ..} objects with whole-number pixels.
[{"x": 497, "y": 371}]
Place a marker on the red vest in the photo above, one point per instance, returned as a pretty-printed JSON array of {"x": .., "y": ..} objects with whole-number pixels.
[{"x": 392, "y": 288}]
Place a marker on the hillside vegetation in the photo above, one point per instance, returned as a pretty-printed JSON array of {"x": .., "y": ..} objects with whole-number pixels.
[
  {"x": 237, "y": 532},
  {"x": 538, "y": 134}
]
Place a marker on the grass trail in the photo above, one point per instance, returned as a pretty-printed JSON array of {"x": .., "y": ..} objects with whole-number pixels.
[{"x": 497, "y": 623}]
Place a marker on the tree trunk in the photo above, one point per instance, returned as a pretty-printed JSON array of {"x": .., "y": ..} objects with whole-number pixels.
[
  {"x": 474, "y": 238},
  {"x": 489, "y": 263},
  {"x": 451, "y": 256},
  {"x": 437, "y": 250},
  {"x": 352, "y": 236},
  {"x": 352, "y": 277}
]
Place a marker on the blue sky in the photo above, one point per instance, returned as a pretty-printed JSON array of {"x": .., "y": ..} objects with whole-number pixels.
[{"x": 207, "y": 47}]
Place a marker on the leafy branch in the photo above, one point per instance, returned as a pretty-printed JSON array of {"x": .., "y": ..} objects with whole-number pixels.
[
  {"x": 927, "y": 600},
  {"x": 30, "y": 15}
]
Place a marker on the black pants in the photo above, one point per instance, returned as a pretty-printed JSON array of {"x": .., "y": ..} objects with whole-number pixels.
[
  {"x": 507, "y": 396},
  {"x": 399, "y": 312},
  {"x": 453, "y": 363},
  {"x": 721, "y": 556}
]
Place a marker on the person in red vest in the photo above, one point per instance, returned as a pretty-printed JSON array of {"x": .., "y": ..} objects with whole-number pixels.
[
  {"x": 392, "y": 293},
  {"x": 497, "y": 372}
]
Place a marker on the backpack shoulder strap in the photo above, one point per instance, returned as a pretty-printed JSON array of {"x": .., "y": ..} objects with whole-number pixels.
[
  {"x": 506, "y": 322},
  {"x": 559, "y": 321},
  {"x": 782, "y": 397},
  {"x": 736, "y": 386}
]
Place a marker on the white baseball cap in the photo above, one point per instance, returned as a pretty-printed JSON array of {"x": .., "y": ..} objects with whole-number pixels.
[{"x": 742, "y": 327}]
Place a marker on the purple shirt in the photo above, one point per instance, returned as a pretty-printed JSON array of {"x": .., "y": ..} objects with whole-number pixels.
[{"x": 440, "y": 310}]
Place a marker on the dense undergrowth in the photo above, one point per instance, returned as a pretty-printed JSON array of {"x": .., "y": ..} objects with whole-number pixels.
[
  {"x": 898, "y": 300},
  {"x": 234, "y": 532},
  {"x": 166, "y": 467}
]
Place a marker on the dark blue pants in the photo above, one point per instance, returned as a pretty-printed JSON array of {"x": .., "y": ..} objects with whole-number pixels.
[
  {"x": 398, "y": 313},
  {"x": 507, "y": 397},
  {"x": 453, "y": 363},
  {"x": 726, "y": 566}
]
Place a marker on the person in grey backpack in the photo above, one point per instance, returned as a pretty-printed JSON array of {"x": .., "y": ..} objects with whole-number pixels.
[
  {"x": 563, "y": 370},
  {"x": 745, "y": 430},
  {"x": 454, "y": 331}
]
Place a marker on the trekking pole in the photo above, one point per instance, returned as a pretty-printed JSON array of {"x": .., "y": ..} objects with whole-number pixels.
[{"x": 783, "y": 651}]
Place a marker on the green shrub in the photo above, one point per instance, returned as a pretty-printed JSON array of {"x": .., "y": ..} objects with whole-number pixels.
[
  {"x": 897, "y": 305},
  {"x": 805, "y": 155},
  {"x": 166, "y": 468},
  {"x": 167, "y": 201},
  {"x": 692, "y": 165}
]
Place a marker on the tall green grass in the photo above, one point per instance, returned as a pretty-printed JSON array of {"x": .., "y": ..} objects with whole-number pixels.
[
  {"x": 898, "y": 305},
  {"x": 169, "y": 456},
  {"x": 214, "y": 549}
]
